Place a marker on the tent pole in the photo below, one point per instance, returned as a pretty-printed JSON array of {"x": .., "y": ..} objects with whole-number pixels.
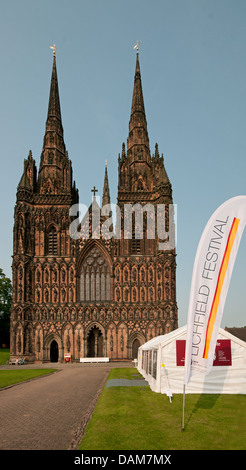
[{"x": 183, "y": 408}]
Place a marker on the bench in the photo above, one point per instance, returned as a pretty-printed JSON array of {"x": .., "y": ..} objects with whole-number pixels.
[
  {"x": 12, "y": 362},
  {"x": 94, "y": 359}
]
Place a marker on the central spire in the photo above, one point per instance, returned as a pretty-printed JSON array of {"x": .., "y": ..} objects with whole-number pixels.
[
  {"x": 106, "y": 193},
  {"x": 138, "y": 140}
]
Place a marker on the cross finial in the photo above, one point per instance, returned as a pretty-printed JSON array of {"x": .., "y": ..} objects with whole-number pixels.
[
  {"x": 94, "y": 190},
  {"x": 54, "y": 49},
  {"x": 136, "y": 45}
]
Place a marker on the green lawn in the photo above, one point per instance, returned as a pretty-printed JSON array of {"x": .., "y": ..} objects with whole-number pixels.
[
  {"x": 135, "y": 418},
  {"x": 4, "y": 356},
  {"x": 10, "y": 377}
]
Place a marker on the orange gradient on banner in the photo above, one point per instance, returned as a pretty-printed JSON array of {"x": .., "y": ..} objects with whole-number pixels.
[{"x": 221, "y": 277}]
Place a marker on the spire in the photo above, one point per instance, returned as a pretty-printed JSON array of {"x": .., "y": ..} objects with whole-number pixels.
[
  {"x": 137, "y": 98},
  {"x": 54, "y": 150},
  {"x": 53, "y": 139},
  {"x": 141, "y": 177},
  {"x": 54, "y": 109},
  {"x": 106, "y": 193},
  {"x": 55, "y": 167},
  {"x": 138, "y": 140}
]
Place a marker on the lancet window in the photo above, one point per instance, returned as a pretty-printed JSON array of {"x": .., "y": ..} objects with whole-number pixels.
[{"x": 51, "y": 242}]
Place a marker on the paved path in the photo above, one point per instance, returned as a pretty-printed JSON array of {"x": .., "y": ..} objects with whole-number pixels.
[{"x": 50, "y": 413}]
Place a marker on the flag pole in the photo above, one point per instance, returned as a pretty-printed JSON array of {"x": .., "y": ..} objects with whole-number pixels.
[{"x": 183, "y": 408}]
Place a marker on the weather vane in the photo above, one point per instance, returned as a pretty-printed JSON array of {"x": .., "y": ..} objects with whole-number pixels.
[
  {"x": 53, "y": 48},
  {"x": 136, "y": 45}
]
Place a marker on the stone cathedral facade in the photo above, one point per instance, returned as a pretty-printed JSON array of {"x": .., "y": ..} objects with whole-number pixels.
[{"x": 92, "y": 296}]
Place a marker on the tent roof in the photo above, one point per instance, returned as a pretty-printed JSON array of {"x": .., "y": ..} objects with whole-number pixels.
[
  {"x": 169, "y": 337},
  {"x": 154, "y": 342}
]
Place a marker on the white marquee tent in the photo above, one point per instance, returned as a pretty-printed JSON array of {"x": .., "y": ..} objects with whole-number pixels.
[{"x": 161, "y": 362}]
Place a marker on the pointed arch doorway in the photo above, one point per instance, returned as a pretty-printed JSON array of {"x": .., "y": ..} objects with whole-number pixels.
[
  {"x": 54, "y": 351},
  {"x": 135, "y": 345},
  {"x": 135, "y": 341},
  {"x": 95, "y": 343}
]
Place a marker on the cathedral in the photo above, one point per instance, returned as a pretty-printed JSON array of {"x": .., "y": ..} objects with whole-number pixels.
[{"x": 93, "y": 295}]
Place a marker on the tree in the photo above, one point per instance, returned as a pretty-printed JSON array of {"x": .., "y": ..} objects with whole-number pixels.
[{"x": 5, "y": 306}]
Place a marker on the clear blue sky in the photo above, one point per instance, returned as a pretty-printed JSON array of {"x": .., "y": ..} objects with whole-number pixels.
[{"x": 193, "y": 66}]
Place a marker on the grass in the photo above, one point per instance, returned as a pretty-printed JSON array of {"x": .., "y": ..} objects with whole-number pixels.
[
  {"x": 135, "y": 418},
  {"x": 4, "y": 355},
  {"x": 11, "y": 377}
]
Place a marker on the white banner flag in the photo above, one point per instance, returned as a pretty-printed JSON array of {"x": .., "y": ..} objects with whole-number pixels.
[{"x": 211, "y": 276}]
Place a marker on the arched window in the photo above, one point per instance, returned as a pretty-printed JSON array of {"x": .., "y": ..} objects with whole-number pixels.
[
  {"x": 51, "y": 242},
  {"x": 95, "y": 278}
]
